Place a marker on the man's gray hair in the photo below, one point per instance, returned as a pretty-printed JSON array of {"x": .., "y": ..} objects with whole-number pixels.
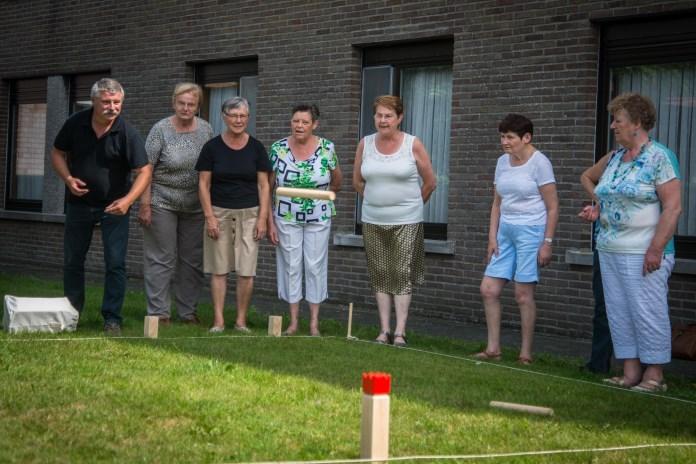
[
  {"x": 234, "y": 103},
  {"x": 107, "y": 85}
]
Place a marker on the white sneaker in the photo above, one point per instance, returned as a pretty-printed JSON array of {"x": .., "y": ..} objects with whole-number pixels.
[{"x": 216, "y": 330}]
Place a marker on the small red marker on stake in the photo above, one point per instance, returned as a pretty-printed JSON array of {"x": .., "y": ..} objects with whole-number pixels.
[{"x": 374, "y": 431}]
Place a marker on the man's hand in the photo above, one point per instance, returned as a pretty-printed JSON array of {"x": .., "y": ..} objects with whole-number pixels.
[
  {"x": 119, "y": 207},
  {"x": 77, "y": 187}
]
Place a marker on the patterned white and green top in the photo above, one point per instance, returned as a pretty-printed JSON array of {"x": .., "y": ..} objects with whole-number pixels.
[
  {"x": 629, "y": 205},
  {"x": 313, "y": 173}
]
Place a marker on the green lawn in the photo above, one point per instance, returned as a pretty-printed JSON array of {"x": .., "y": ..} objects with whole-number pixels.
[{"x": 188, "y": 397}]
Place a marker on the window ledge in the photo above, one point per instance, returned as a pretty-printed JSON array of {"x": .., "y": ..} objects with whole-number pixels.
[
  {"x": 439, "y": 247},
  {"x": 583, "y": 257},
  {"x": 32, "y": 216}
]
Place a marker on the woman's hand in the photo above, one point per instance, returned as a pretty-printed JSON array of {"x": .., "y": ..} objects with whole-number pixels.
[
  {"x": 260, "y": 229},
  {"x": 272, "y": 231},
  {"x": 589, "y": 213},
  {"x": 212, "y": 227},
  {"x": 145, "y": 215},
  {"x": 492, "y": 249},
  {"x": 652, "y": 261},
  {"x": 544, "y": 255}
]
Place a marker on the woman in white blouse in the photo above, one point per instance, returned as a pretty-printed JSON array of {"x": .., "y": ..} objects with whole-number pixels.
[{"x": 389, "y": 168}]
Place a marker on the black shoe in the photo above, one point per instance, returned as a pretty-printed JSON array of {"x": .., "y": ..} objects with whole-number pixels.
[
  {"x": 192, "y": 321},
  {"x": 112, "y": 328}
]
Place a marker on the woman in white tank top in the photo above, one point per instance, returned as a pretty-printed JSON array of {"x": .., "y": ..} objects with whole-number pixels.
[{"x": 389, "y": 168}]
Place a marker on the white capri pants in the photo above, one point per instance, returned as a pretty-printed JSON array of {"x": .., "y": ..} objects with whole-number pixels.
[
  {"x": 637, "y": 307},
  {"x": 302, "y": 247}
]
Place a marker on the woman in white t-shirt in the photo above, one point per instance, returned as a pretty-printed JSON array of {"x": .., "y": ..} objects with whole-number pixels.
[{"x": 523, "y": 220}]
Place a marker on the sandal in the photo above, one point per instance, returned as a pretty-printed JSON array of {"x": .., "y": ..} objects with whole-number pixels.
[
  {"x": 488, "y": 356},
  {"x": 618, "y": 381},
  {"x": 289, "y": 333},
  {"x": 402, "y": 343},
  {"x": 388, "y": 338},
  {"x": 525, "y": 361},
  {"x": 651, "y": 386}
]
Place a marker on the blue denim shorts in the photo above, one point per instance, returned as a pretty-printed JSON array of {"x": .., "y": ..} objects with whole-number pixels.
[{"x": 518, "y": 248}]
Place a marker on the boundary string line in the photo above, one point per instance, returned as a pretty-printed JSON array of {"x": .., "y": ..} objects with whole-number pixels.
[
  {"x": 335, "y": 337},
  {"x": 486, "y": 456}
]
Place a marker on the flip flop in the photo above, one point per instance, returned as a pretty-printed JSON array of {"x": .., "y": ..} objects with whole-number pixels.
[
  {"x": 525, "y": 360},
  {"x": 617, "y": 381},
  {"x": 488, "y": 356},
  {"x": 651, "y": 386}
]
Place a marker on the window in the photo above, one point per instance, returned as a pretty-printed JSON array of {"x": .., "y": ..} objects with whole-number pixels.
[
  {"x": 656, "y": 57},
  {"x": 421, "y": 74},
  {"x": 27, "y": 144},
  {"x": 225, "y": 79},
  {"x": 80, "y": 89}
]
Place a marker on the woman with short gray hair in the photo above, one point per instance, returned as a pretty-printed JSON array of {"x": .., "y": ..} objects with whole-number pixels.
[{"x": 234, "y": 192}]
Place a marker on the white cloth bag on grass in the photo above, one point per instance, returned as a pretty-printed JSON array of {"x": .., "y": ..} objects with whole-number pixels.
[{"x": 39, "y": 315}]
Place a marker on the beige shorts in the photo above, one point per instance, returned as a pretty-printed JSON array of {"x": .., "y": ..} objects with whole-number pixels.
[{"x": 235, "y": 248}]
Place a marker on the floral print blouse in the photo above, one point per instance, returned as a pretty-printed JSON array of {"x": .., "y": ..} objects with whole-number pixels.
[
  {"x": 313, "y": 173},
  {"x": 629, "y": 206}
]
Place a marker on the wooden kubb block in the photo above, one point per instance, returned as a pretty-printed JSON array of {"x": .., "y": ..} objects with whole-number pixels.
[
  {"x": 151, "y": 326},
  {"x": 374, "y": 429},
  {"x": 275, "y": 325}
]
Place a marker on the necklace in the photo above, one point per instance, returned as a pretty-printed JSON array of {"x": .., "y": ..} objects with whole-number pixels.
[{"x": 625, "y": 168}]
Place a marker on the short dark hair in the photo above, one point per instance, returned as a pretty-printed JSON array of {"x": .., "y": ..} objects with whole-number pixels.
[
  {"x": 312, "y": 109},
  {"x": 516, "y": 123}
]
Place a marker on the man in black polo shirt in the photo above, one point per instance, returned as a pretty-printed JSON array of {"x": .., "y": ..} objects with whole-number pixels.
[{"x": 94, "y": 153}]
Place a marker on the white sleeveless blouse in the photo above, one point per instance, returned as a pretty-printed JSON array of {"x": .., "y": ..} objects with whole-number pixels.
[{"x": 392, "y": 185}]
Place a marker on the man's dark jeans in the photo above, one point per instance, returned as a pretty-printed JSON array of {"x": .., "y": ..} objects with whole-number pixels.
[
  {"x": 602, "y": 348},
  {"x": 79, "y": 225}
]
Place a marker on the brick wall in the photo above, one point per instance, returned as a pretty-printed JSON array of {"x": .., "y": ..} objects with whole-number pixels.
[{"x": 540, "y": 60}]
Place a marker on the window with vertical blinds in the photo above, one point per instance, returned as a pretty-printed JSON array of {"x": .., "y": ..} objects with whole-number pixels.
[
  {"x": 27, "y": 144},
  {"x": 421, "y": 74},
  {"x": 226, "y": 79}
]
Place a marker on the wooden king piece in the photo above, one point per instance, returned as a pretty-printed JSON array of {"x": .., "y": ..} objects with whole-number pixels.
[{"x": 374, "y": 430}]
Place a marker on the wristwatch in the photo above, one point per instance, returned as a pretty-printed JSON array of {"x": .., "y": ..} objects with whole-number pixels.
[{"x": 548, "y": 240}]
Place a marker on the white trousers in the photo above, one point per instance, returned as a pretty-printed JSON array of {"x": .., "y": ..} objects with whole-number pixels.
[
  {"x": 637, "y": 307},
  {"x": 303, "y": 249}
]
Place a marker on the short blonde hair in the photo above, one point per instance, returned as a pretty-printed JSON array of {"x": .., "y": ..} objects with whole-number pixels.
[
  {"x": 640, "y": 109},
  {"x": 389, "y": 101},
  {"x": 187, "y": 87}
]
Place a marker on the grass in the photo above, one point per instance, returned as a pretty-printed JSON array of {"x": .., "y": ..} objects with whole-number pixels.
[{"x": 187, "y": 397}]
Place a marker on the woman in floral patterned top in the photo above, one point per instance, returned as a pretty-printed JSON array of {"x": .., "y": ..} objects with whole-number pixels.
[
  {"x": 301, "y": 227},
  {"x": 638, "y": 195}
]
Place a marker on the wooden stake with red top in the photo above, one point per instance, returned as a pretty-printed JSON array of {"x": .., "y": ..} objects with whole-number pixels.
[{"x": 374, "y": 431}]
